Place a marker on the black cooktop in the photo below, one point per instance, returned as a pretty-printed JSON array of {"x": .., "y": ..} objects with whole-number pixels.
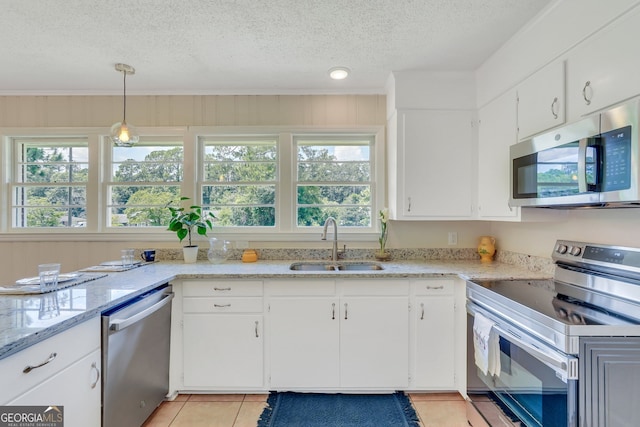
[{"x": 558, "y": 301}]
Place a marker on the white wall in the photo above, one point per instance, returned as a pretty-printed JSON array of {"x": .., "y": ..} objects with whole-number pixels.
[{"x": 609, "y": 226}]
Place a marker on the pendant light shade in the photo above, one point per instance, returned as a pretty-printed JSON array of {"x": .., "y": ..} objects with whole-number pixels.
[{"x": 122, "y": 133}]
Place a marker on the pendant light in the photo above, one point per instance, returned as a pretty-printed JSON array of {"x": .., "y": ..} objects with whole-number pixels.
[{"x": 122, "y": 133}]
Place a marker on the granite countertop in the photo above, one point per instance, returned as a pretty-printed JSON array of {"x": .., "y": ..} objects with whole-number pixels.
[{"x": 28, "y": 319}]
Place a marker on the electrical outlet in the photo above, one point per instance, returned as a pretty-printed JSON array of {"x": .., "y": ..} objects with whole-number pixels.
[
  {"x": 242, "y": 244},
  {"x": 453, "y": 238}
]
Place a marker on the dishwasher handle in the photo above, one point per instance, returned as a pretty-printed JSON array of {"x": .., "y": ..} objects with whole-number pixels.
[{"x": 120, "y": 324}]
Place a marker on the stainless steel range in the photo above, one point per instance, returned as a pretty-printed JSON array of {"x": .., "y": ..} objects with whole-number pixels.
[{"x": 568, "y": 347}]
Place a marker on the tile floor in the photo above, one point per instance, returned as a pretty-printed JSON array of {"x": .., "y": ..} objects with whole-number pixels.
[{"x": 239, "y": 410}]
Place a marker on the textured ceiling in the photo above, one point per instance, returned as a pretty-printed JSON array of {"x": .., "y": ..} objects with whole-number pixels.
[{"x": 243, "y": 46}]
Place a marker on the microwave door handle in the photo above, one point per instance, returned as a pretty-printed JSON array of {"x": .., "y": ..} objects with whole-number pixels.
[{"x": 582, "y": 165}]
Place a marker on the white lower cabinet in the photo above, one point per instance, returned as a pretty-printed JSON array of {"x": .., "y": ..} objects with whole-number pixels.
[
  {"x": 76, "y": 388},
  {"x": 223, "y": 335},
  {"x": 374, "y": 342},
  {"x": 223, "y": 350},
  {"x": 434, "y": 341},
  {"x": 318, "y": 335},
  {"x": 434, "y": 338},
  {"x": 64, "y": 371},
  {"x": 304, "y": 342},
  {"x": 356, "y": 338}
]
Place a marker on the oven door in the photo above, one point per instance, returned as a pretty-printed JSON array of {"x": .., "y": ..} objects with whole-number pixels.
[{"x": 537, "y": 385}]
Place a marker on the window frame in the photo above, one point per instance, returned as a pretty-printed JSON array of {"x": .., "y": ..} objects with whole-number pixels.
[
  {"x": 8, "y": 171},
  {"x": 19, "y": 162},
  {"x": 201, "y": 170},
  {"x": 108, "y": 181},
  {"x": 338, "y": 137},
  {"x": 100, "y": 169}
]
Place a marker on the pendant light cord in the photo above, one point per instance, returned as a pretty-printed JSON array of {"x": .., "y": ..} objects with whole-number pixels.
[{"x": 124, "y": 97}]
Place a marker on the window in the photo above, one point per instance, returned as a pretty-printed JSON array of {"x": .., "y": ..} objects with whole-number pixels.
[
  {"x": 49, "y": 186},
  {"x": 272, "y": 183},
  {"x": 239, "y": 179},
  {"x": 143, "y": 180},
  {"x": 334, "y": 178}
]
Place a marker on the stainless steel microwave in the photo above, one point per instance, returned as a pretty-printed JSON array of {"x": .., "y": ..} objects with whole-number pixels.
[{"x": 593, "y": 162}]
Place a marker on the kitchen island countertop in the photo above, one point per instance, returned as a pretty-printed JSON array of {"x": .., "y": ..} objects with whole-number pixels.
[{"x": 26, "y": 320}]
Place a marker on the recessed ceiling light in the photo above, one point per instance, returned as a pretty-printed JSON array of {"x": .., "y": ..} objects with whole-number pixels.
[{"x": 339, "y": 73}]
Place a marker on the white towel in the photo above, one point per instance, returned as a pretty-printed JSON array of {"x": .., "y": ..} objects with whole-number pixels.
[{"x": 486, "y": 345}]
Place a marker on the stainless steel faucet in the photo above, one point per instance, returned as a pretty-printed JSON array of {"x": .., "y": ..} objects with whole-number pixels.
[{"x": 334, "y": 253}]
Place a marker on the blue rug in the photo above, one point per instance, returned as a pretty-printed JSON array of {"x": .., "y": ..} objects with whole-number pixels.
[{"x": 338, "y": 410}]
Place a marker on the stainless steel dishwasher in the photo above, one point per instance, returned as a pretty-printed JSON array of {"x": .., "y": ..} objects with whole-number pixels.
[{"x": 135, "y": 358}]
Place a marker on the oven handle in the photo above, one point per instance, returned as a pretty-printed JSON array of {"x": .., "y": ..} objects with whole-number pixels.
[{"x": 566, "y": 367}]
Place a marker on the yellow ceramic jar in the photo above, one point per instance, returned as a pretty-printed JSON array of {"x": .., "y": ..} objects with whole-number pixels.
[{"x": 487, "y": 248}]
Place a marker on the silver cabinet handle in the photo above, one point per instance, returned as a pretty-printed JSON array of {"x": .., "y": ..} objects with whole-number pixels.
[
  {"x": 422, "y": 308},
  {"x": 30, "y": 368},
  {"x": 95, "y": 383},
  {"x": 346, "y": 311},
  {"x": 435, "y": 287},
  {"x": 257, "y": 336},
  {"x": 584, "y": 92},
  {"x": 554, "y": 104},
  {"x": 222, "y": 289},
  {"x": 333, "y": 311},
  {"x": 221, "y": 305},
  {"x": 409, "y": 207}
]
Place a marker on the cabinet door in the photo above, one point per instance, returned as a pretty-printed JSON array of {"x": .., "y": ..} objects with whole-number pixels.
[
  {"x": 223, "y": 350},
  {"x": 76, "y": 387},
  {"x": 610, "y": 381},
  {"x": 496, "y": 133},
  {"x": 435, "y": 164},
  {"x": 603, "y": 70},
  {"x": 435, "y": 342},
  {"x": 304, "y": 342},
  {"x": 541, "y": 101},
  {"x": 374, "y": 342}
]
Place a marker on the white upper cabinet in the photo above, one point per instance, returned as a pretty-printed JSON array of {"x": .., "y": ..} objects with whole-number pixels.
[
  {"x": 432, "y": 172},
  {"x": 541, "y": 103},
  {"x": 603, "y": 70},
  {"x": 496, "y": 132}
]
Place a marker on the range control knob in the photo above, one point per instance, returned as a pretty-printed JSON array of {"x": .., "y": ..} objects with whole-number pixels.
[
  {"x": 562, "y": 249},
  {"x": 575, "y": 250}
]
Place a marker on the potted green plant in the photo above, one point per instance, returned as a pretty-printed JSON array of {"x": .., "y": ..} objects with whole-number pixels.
[{"x": 184, "y": 221}]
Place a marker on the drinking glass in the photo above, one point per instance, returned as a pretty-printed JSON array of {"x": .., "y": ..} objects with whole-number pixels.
[
  {"x": 127, "y": 257},
  {"x": 48, "y": 276}
]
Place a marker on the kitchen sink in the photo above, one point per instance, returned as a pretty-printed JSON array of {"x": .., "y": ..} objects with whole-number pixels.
[
  {"x": 360, "y": 266},
  {"x": 308, "y": 266},
  {"x": 341, "y": 266}
]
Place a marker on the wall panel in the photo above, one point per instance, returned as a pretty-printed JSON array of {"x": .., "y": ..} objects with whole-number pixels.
[
  {"x": 193, "y": 110},
  {"x": 19, "y": 258}
]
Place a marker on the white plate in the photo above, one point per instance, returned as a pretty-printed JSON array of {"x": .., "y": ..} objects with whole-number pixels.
[
  {"x": 61, "y": 278},
  {"x": 119, "y": 262}
]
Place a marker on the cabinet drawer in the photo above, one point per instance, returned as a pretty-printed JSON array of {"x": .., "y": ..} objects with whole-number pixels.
[
  {"x": 211, "y": 288},
  {"x": 374, "y": 287},
  {"x": 298, "y": 287},
  {"x": 432, "y": 287},
  {"x": 68, "y": 346},
  {"x": 222, "y": 305}
]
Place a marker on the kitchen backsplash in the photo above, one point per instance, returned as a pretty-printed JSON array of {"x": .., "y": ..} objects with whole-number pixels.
[{"x": 529, "y": 262}]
